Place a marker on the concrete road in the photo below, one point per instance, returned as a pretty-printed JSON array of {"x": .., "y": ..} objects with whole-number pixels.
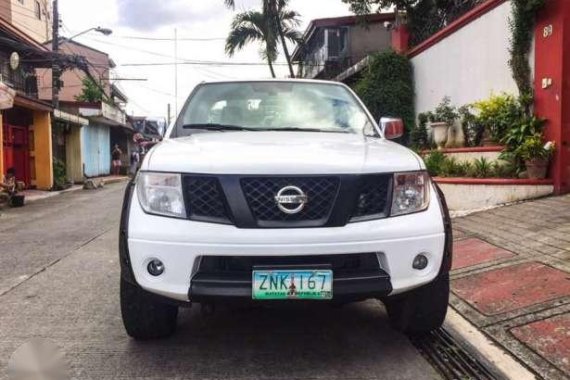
[{"x": 60, "y": 282}]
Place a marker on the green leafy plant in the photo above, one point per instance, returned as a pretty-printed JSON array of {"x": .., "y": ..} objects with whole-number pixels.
[
  {"x": 434, "y": 161},
  {"x": 91, "y": 92},
  {"x": 59, "y": 175},
  {"x": 498, "y": 114},
  {"x": 387, "y": 87},
  {"x": 534, "y": 148},
  {"x": 419, "y": 135},
  {"x": 504, "y": 169},
  {"x": 445, "y": 112},
  {"x": 482, "y": 168},
  {"x": 472, "y": 128},
  {"x": 522, "y": 130},
  {"x": 449, "y": 168}
]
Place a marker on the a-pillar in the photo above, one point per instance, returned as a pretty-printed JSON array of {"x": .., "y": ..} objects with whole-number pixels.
[
  {"x": 43, "y": 150},
  {"x": 552, "y": 84}
]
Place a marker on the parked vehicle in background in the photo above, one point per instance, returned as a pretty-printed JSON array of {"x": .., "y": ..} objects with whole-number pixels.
[{"x": 282, "y": 190}]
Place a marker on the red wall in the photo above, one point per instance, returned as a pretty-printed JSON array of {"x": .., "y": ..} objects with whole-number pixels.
[{"x": 553, "y": 103}]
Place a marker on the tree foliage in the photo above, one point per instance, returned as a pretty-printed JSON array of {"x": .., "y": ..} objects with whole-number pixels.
[
  {"x": 387, "y": 87},
  {"x": 362, "y": 7},
  {"x": 255, "y": 26},
  {"x": 280, "y": 25},
  {"x": 91, "y": 92}
]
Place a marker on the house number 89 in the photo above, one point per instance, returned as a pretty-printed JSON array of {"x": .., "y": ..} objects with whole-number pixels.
[{"x": 548, "y": 31}]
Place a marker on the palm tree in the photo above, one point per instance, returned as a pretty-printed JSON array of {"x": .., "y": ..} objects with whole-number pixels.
[
  {"x": 248, "y": 27},
  {"x": 257, "y": 26},
  {"x": 282, "y": 21}
]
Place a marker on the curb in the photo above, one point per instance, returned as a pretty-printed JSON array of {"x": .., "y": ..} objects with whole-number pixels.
[
  {"x": 115, "y": 180},
  {"x": 54, "y": 194},
  {"x": 497, "y": 360}
]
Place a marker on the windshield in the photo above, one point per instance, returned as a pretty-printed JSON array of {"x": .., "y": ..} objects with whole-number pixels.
[{"x": 258, "y": 106}]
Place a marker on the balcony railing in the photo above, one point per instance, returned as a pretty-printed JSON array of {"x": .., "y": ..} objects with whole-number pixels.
[{"x": 23, "y": 79}]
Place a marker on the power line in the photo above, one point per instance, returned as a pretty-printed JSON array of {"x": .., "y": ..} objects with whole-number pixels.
[
  {"x": 205, "y": 63},
  {"x": 170, "y": 39},
  {"x": 183, "y": 60}
]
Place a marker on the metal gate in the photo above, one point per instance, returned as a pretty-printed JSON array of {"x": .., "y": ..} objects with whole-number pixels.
[
  {"x": 17, "y": 152},
  {"x": 96, "y": 150}
]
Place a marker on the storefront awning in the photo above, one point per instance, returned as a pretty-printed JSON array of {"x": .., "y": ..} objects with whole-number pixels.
[
  {"x": 31, "y": 103},
  {"x": 70, "y": 118}
]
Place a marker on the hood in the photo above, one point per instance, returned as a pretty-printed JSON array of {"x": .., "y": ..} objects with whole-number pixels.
[{"x": 280, "y": 153}]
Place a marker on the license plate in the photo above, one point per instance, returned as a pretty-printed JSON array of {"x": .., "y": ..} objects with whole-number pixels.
[{"x": 297, "y": 284}]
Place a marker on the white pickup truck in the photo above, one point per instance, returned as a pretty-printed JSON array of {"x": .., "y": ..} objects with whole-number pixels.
[{"x": 282, "y": 191}]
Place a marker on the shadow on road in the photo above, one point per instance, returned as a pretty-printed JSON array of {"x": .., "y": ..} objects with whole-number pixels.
[{"x": 283, "y": 342}]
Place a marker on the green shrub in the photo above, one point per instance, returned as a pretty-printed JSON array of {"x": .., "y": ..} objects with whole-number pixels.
[
  {"x": 504, "y": 169},
  {"x": 482, "y": 168},
  {"x": 433, "y": 162},
  {"x": 499, "y": 114},
  {"x": 534, "y": 147},
  {"x": 59, "y": 175},
  {"x": 419, "y": 135},
  {"x": 472, "y": 128},
  {"x": 445, "y": 112},
  {"x": 387, "y": 87}
]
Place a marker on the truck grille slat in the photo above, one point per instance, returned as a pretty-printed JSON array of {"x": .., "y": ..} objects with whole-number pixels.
[
  {"x": 249, "y": 202},
  {"x": 260, "y": 194}
]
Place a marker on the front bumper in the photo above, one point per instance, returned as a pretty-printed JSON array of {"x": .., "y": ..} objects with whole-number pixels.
[{"x": 180, "y": 245}]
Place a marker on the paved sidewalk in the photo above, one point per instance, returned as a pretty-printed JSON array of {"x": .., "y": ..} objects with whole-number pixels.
[
  {"x": 511, "y": 278},
  {"x": 36, "y": 195}
]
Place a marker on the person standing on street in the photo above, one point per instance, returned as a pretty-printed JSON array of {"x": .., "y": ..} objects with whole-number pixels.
[{"x": 116, "y": 156}]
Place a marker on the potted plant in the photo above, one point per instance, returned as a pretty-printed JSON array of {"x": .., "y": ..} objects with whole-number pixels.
[
  {"x": 536, "y": 155},
  {"x": 442, "y": 119}
]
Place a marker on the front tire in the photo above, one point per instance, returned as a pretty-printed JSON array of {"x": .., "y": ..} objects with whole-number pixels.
[
  {"x": 144, "y": 317},
  {"x": 420, "y": 310}
]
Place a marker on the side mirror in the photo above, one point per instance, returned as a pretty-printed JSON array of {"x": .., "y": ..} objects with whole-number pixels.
[{"x": 392, "y": 128}]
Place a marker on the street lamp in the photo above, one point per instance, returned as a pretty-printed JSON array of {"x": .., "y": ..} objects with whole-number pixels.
[{"x": 104, "y": 31}]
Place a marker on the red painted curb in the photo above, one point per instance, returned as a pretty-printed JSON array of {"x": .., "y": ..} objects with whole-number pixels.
[
  {"x": 477, "y": 149},
  {"x": 470, "y": 16},
  {"x": 492, "y": 181}
]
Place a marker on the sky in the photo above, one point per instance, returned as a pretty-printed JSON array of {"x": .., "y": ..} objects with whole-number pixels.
[{"x": 201, "y": 25}]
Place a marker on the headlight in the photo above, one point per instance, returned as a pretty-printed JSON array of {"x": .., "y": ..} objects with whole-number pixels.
[
  {"x": 411, "y": 193},
  {"x": 161, "y": 194}
]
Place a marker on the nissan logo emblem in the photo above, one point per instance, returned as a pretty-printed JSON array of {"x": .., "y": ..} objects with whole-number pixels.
[{"x": 291, "y": 200}]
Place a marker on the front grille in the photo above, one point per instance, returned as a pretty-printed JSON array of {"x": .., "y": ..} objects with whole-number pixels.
[
  {"x": 260, "y": 194},
  {"x": 205, "y": 198},
  {"x": 373, "y": 196},
  {"x": 342, "y": 264}
]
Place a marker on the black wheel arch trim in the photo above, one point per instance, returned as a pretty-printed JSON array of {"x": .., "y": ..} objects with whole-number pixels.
[
  {"x": 124, "y": 258},
  {"x": 448, "y": 229}
]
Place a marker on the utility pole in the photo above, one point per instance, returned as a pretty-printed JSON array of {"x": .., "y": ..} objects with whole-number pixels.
[
  {"x": 175, "y": 71},
  {"x": 56, "y": 69}
]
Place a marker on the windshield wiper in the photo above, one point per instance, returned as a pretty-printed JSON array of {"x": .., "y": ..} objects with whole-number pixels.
[
  {"x": 217, "y": 127},
  {"x": 298, "y": 129}
]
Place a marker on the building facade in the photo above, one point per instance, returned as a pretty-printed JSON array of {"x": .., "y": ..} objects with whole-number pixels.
[
  {"x": 33, "y": 17},
  {"x": 333, "y": 45},
  {"x": 107, "y": 124},
  {"x": 26, "y": 132}
]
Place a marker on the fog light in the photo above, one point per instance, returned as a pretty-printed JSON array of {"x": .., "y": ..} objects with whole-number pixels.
[
  {"x": 155, "y": 267},
  {"x": 420, "y": 262}
]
